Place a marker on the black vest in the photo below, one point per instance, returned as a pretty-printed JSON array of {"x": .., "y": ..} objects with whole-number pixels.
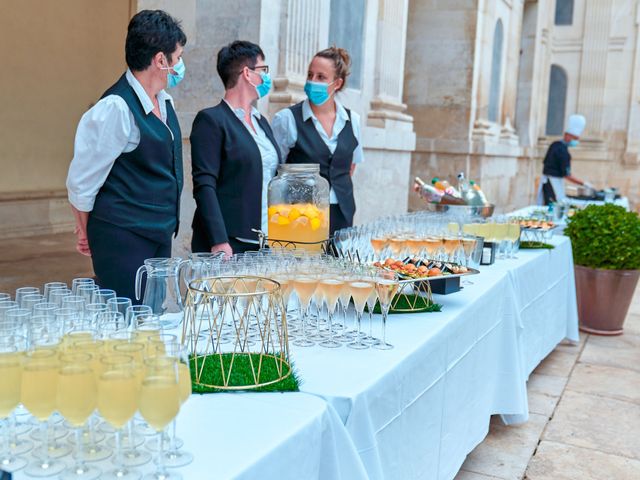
[
  {"x": 142, "y": 191},
  {"x": 336, "y": 168}
]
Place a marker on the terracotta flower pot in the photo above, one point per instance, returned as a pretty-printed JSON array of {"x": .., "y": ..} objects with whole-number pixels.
[{"x": 604, "y": 297}]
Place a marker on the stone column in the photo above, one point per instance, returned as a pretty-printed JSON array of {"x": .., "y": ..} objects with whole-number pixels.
[
  {"x": 304, "y": 30},
  {"x": 632, "y": 150},
  {"x": 386, "y": 104},
  {"x": 593, "y": 74},
  {"x": 382, "y": 182},
  {"x": 512, "y": 53}
]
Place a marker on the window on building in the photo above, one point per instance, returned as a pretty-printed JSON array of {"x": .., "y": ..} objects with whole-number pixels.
[
  {"x": 496, "y": 72},
  {"x": 557, "y": 101},
  {"x": 564, "y": 12},
  {"x": 346, "y": 30}
]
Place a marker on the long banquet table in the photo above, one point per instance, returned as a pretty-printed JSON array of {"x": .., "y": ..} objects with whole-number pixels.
[
  {"x": 413, "y": 412},
  {"x": 416, "y": 411}
]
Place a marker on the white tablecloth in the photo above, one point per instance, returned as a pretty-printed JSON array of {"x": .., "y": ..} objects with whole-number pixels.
[
  {"x": 261, "y": 436},
  {"x": 416, "y": 411}
]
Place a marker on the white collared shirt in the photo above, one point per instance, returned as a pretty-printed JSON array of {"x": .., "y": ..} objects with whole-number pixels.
[
  {"x": 269, "y": 159},
  {"x": 105, "y": 131},
  {"x": 286, "y": 132}
]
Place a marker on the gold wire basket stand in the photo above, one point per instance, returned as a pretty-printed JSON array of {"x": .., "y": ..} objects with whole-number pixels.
[{"x": 236, "y": 322}]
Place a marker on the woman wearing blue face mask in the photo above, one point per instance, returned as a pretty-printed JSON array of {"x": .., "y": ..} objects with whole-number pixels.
[
  {"x": 125, "y": 179},
  {"x": 234, "y": 156},
  {"x": 557, "y": 164},
  {"x": 321, "y": 130}
]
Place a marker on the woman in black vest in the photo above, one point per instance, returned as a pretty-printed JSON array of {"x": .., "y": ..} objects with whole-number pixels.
[
  {"x": 125, "y": 179},
  {"x": 320, "y": 130},
  {"x": 233, "y": 156}
]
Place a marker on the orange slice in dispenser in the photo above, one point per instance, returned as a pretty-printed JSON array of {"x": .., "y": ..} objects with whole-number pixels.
[
  {"x": 315, "y": 223},
  {"x": 294, "y": 213},
  {"x": 282, "y": 220},
  {"x": 272, "y": 211}
]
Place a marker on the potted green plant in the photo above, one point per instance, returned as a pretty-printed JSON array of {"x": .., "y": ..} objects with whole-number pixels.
[{"x": 606, "y": 253}]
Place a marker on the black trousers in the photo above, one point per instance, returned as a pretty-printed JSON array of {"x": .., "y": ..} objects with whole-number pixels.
[
  {"x": 337, "y": 220},
  {"x": 548, "y": 194},
  {"x": 199, "y": 244},
  {"x": 117, "y": 253}
]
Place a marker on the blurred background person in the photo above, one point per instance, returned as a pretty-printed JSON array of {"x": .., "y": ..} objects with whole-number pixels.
[{"x": 557, "y": 164}]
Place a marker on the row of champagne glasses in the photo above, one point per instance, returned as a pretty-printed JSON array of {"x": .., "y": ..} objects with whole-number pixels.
[
  {"x": 61, "y": 361},
  {"x": 424, "y": 235},
  {"x": 503, "y": 231},
  {"x": 322, "y": 287}
]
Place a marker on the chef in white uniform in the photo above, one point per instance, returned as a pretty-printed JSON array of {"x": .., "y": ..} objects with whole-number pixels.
[{"x": 557, "y": 164}]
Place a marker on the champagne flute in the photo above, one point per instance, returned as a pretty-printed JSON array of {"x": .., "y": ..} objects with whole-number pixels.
[
  {"x": 56, "y": 295},
  {"x": 49, "y": 287},
  {"x": 76, "y": 401},
  {"x": 330, "y": 288},
  {"x": 304, "y": 286},
  {"x": 12, "y": 340},
  {"x": 22, "y": 291},
  {"x": 10, "y": 386},
  {"x": 118, "y": 388},
  {"x": 387, "y": 286},
  {"x": 5, "y": 306},
  {"x": 86, "y": 292},
  {"x": 514, "y": 238},
  {"x": 371, "y": 303},
  {"x": 31, "y": 300},
  {"x": 102, "y": 295},
  {"x": 119, "y": 304},
  {"x": 159, "y": 405},
  {"x": 361, "y": 288},
  {"x": 175, "y": 457},
  {"x": 133, "y": 456},
  {"x": 78, "y": 282},
  {"x": 38, "y": 393},
  {"x": 45, "y": 308},
  {"x": 134, "y": 311}
]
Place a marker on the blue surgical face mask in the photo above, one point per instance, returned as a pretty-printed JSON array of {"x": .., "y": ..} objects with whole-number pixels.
[
  {"x": 174, "y": 79},
  {"x": 317, "y": 92},
  {"x": 573, "y": 143},
  {"x": 265, "y": 87}
]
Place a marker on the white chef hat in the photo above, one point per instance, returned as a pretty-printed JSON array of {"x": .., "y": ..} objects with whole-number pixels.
[{"x": 576, "y": 124}]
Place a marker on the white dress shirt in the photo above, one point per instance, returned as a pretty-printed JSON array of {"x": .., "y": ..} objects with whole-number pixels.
[
  {"x": 105, "y": 131},
  {"x": 269, "y": 159},
  {"x": 286, "y": 132}
]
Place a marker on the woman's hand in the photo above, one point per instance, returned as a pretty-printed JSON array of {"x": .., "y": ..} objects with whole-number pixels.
[
  {"x": 223, "y": 247},
  {"x": 82, "y": 243}
]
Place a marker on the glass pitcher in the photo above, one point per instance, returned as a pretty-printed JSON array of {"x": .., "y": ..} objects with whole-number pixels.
[{"x": 162, "y": 291}]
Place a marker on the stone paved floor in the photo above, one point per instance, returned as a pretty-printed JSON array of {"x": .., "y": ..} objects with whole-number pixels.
[
  {"x": 584, "y": 400},
  {"x": 584, "y": 404},
  {"x": 33, "y": 261}
]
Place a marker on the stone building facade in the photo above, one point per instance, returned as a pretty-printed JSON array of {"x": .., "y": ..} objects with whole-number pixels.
[
  {"x": 490, "y": 84},
  {"x": 442, "y": 86}
]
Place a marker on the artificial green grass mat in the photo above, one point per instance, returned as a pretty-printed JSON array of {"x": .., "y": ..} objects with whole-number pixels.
[
  {"x": 531, "y": 245},
  {"x": 405, "y": 302},
  {"x": 242, "y": 373}
]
